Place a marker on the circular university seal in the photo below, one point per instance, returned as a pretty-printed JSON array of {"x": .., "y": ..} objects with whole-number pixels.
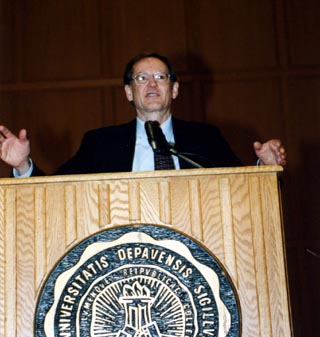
[{"x": 141, "y": 281}]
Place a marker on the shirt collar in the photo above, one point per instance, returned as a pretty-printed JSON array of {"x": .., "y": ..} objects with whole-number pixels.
[{"x": 165, "y": 126}]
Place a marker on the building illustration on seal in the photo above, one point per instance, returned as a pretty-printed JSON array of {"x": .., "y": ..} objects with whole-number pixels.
[{"x": 137, "y": 304}]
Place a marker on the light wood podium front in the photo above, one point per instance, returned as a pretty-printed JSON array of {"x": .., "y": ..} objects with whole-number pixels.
[{"x": 234, "y": 212}]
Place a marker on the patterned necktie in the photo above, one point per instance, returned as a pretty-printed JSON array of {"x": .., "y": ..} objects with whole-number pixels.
[
  {"x": 162, "y": 157},
  {"x": 163, "y": 162}
]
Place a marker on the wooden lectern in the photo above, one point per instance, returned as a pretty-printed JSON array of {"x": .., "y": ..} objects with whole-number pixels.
[{"x": 234, "y": 212}]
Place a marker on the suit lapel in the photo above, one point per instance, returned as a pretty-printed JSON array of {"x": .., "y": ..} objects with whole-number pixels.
[
  {"x": 126, "y": 151},
  {"x": 179, "y": 141}
]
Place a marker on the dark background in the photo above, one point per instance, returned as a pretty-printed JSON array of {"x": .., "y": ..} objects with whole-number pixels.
[{"x": 250, "y": 67}]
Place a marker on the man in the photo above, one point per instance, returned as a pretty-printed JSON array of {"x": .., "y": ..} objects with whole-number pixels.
[{"x": 151, "y": 85}]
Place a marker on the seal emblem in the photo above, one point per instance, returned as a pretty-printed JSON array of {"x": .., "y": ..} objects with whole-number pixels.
[{"x": 141, "y": 281}]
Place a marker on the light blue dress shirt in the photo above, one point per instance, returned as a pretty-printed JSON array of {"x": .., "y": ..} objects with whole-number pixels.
[{"x": 143, "y": 155}]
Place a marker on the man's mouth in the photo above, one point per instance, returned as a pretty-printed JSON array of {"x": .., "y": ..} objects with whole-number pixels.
[{"x": 152, "y": 94}]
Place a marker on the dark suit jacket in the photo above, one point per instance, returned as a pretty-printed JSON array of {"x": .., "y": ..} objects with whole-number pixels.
[{"x": 111, "y": 149}]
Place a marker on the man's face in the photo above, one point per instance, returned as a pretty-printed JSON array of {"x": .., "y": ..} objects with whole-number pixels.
[{"x": 152, "y": 100}]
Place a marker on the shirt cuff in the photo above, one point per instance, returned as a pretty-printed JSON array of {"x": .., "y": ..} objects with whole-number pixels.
[
  {"x": 259, "y": 163},
  {"x": 25, "y": 175}
]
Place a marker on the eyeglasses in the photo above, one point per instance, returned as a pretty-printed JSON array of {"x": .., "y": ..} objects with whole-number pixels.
[{"x": 143, "y": 78}]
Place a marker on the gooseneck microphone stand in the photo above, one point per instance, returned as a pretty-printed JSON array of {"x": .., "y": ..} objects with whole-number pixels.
[{"x": 173, "y": 151}]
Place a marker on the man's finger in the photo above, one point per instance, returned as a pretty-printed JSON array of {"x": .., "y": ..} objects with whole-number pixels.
[
  {"x": 23, "y": 134},
  {"x": 257, "y": 146},
  {"x": 5, "y": 131}
]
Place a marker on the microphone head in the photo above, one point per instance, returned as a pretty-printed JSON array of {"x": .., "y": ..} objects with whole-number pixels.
[
  {"x": 156, "y": 138},
  {"x": 150, "y": 127}
]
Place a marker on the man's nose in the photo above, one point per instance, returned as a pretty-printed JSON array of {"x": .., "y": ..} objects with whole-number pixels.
[{"x": 152, "y": 82}]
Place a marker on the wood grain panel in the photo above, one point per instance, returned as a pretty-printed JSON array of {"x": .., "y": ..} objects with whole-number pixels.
[
  {"x": 211, "y": 217},
  {"x": 228, "y": 230},
  {"x": 230, "y": 35},
  {"x": 7, "y": 106},
  {"x": 244, "y": 254},
  {"x": 88, "y": 200},
  {"x": 55, "y": 220},
  {"x": 134, "y": 201},
  {"x": 195, "y": 209},
  {"x": 236, "y": 107},
  {"x": 104, "y": 204},
  {"x": 61, "y": 40},
  {"x": 7, "y": 42},
  {"x": 164, "y": 189},
  {"x": 2, "y": 260},
  {"x": 117, "y": 108},
  {"x": 40, "y": 235},
  {"x": 262, "y": 285},
  {"x": 303, "y": 134},
  {"x": 10, "y": 263},
  {"x": 71, "y": 214},
  {"x": 180, "y": 207},
  {"x": 119, "y": 202},
  {"x": 142, "y": 27},
  {"x": 187, "y": 105},
  {"x": 303, "y": 24},
  {"x": 274, "y": 252},
  {"x": 150, "y": 207},
  {"x": 25, "y": 260}
]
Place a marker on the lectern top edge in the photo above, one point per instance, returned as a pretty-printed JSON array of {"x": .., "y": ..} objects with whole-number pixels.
[{"x": 148, "y": 174}]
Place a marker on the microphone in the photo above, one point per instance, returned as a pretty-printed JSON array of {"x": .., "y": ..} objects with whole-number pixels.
[
  {"x": 149, "y": 127},
  {"x": 159, "y": 144},
  {"x": 156, "y": 138}
]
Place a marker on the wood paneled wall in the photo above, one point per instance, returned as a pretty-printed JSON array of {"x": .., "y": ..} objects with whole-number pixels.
[{"x": 251, "y": 67}]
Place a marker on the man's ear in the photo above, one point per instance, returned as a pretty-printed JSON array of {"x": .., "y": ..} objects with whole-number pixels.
[
  {"x": 175, "y": 90},
  {"x": 128, "y": 90}
]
